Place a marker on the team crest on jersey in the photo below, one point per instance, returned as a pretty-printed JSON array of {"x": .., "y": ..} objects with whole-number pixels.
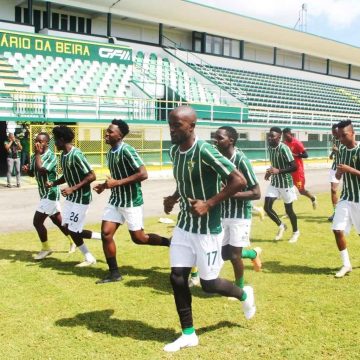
[
  {"x": 354, "y": 158},
  {"x": 190, "y": 165}
]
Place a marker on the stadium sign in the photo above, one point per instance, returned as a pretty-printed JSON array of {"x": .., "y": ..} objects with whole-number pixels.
[{"x": 52, "y": 46}]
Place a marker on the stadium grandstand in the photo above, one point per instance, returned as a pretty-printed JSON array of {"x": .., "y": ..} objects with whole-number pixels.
[{"x": 87, "y": 62}]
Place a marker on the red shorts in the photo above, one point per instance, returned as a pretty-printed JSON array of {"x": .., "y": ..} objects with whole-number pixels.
[{"x": 299, "y": 179}]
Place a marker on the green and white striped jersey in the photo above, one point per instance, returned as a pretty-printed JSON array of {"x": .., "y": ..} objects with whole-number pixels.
[
  {"x": 338, "y": 144},
  {"x": 351, "y": 183},
  {"x": 236, "y": 208},
  {"x": 124, "y": 162},
  {"x": 75, "y": 167},
  {"x": 198, "y": 173},
  {"x": 280, "y": 157},
  {"x": 50, "y": 164}
]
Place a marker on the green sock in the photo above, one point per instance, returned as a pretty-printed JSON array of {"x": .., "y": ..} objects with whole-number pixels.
[
  {"x": 248, "y": 254},
  {"x": 188, "y": 331},
  {"x": 240, "y": 282},
  {"x": 243, "y": 296},
  {"x": 194, "y": 274},
  {"x": 45, "y": 246}
]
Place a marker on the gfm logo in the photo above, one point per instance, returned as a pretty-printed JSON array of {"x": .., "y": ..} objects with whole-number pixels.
[{"x": 114, "y": 53}]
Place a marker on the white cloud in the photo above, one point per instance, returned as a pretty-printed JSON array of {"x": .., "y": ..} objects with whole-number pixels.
[{"x": 337, "y": 13}]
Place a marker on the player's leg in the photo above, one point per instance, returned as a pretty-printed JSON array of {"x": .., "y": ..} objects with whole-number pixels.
[
  {"x": 140, "y": 238},
  {"x": 341, "y": 225},
  {"x": 134, "y": 218},
  {"x": 57, "y": 220},
  {"x": 208, "y": 250},
  {"x": 181, "y": 259},
  {"x": 194, "y": 279},
  {"x": 300, "y": 184},
  {"x": 232, "y": 248},
  {"x": 74, "y": 216},
  {"x": 289, "y": 209},
  {"x": 108, "y": 230},
  {"x": 334, "y": 197},
  {"x": 38, "y": 222},
  {"x": 260, "y": 211},
  {"x": 268, "y": 206}
]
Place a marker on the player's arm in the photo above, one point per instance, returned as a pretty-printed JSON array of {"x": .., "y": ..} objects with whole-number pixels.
[
  {"x": 88, "y": 179},
  {"x": 170, "y": 201},
  {"x": 59, "y": 181},
  {"x": 342, "y": 169},
  {"x": 38, "y": 161},
  {"x": 235, "y": 183},
  {"x": 139, "y": 176},
  {"x": 275, "y": 171},
  {"x": 303, "y": 155},
  {"x": 250, "y": 194},
  {"x": 27, "y": 170}
]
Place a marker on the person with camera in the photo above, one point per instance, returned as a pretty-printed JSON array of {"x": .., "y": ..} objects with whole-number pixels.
[{"x": 13, "y": 149}]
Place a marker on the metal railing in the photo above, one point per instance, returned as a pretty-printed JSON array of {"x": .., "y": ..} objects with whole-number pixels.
[{"x": 81, "y": 108}]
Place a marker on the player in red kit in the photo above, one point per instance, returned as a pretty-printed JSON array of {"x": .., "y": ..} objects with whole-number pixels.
[{"x": 299, "y": 153}]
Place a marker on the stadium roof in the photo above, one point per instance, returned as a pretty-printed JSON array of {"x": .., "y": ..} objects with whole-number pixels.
[{"x": 184, "y": 14}]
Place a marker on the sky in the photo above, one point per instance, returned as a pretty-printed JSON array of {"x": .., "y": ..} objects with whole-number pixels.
[{"x": 334, "y": 19}]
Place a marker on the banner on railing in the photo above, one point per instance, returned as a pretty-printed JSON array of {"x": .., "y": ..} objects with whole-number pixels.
[{"x": 53, "y": 46}]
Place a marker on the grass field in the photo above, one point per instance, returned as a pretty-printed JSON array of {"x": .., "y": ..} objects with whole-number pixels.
[{"x": 52, "y": 310}]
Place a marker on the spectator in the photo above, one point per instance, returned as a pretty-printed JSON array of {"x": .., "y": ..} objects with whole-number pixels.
[{"x": 13, "y": 149}]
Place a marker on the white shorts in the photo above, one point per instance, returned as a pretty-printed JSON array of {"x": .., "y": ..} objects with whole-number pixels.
[
  {"x": 236, "y": 232},
  {"x": 203, "y": 250},
  {"x": 48, "y": 207},
  {"x": 288, "y": 195},
  {"x": 74, "y": 215},
  {"x": 332, "y": 177},
  {"x": 346, "y": 214},
  {"x": 132, "y": 215}
]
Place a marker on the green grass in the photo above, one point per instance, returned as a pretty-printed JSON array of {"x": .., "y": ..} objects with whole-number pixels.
[{"x": 52, "y": 310}]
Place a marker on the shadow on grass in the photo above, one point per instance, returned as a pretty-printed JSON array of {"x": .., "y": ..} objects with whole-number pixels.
[
  {"x": 153, "y": 277},
  {"x": 277, "y": 267},
  {"x": 102, "y": 322}
]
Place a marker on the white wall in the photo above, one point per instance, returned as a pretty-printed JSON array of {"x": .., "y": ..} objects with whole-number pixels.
[
  {"x": 315, "y": 64},
  {"x": 16, "y": 27},
  {"x": 338, "y": 69},
  {"x": 183, "y": 38},
  {"x": 7, "y": 10},
  {"x": 288, "y": 58},
  {"x": 355, "y": 72},
  {"x": 258, "y": 53}
]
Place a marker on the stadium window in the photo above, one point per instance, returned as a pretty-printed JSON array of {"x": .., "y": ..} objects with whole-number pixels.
[
  {"x": 18, "y": 12},
  {"x": 45, "y": 24},
  {"x": 55, "y": 21},
  {"x": 208, "y": 44},
  {"x": 217, "y": 45},
  {"x": 315, "y": 64},
  {"x": 235, "y": 49},
  {"x": 81, "y": 25},
  {"x": 88, "y": 26},
  {"x": 326, "y": 137},
  {"x": 243, "y": 136},
  {"x": 64, "y": 22},
  {"x": 26, "y": 16},
  {"x": 288, "y": 58},
  {"x": 37, "y": 20},
  {"x": 357, "y": 137},
  {"x": 73, "y": 23},
  {"x": 227, "y": 47},
  {"x": 313, "y": 137},
  {"x": 197, "y": 38}
]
